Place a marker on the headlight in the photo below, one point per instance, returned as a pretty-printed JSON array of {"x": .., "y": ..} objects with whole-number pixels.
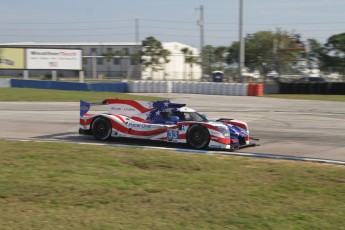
[{"x": 224, "y": 130}]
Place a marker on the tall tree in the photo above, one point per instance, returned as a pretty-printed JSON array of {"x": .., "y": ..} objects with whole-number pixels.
[
  {"x": 191, "y": 59},
  {"x": 185, "y": 51},
  {"x": 233, "y": 53},
  {"x": 165, "y": 56},
  {"x": 214, "y": 57},
  {"x": 153, "y": 55},
  {"x": 333, "y": 54},
  {"x": 313, "y": 53},
  {"x": 208, "y": 54},
  {"x": 265, "y": 47},
  {"x": 219, "y": 55}
]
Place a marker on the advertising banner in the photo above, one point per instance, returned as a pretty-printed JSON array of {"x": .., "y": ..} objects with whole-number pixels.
[
  {"x": 54, "y": 59},
  {"x": 12, "y": 58}
]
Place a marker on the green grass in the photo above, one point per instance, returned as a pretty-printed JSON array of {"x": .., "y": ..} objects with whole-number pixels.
[
  {"x": 66, "y": 186},
  {"x": 43, "y": 95},
  {"x": 340, "y": 98}
]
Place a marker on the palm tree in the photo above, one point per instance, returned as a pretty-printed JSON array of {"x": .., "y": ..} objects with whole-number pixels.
[
  {"x": 184, "y": 51},
  {"x": 219, "y": 54},
  {"x": 165, "y": 60},
  {"x": 191, "y": 59},
  {"x": 153, "y": 55}
]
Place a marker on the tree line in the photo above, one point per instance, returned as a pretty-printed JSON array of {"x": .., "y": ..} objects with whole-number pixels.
[{"x": 264, "y": 51}]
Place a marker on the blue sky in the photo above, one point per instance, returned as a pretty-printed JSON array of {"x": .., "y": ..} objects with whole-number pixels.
[{"x": 166, "y": 20}]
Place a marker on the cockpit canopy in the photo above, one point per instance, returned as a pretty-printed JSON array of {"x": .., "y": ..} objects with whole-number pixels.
[{"x": 183, "y": 114}]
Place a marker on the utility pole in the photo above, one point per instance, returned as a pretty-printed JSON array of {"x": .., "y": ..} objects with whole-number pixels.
[
  {"x": 201, "y": 25},
  {"x": 241, "y": 60}
]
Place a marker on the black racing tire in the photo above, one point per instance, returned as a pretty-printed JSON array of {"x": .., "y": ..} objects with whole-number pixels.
[
  {"x": 101, "y": 129},
  {"x": 198, "y": 137}
]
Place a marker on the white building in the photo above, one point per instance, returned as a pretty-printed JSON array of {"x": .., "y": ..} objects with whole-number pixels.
[
  {"x": 176, "y": 68},
  {"x": 121, "y": 66}
]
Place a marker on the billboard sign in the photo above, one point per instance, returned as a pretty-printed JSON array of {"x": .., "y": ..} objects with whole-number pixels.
[
  {"x": 54, "y": 59},
  {"x": 12, "y": 58}
]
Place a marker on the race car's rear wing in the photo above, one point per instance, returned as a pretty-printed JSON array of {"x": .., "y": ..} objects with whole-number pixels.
[
  {"x": 85, "y": 106},
  {"x": 129, "y": 107}
]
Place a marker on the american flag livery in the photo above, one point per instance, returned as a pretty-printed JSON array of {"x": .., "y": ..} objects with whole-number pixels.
[{"x": 161, "y": 121}]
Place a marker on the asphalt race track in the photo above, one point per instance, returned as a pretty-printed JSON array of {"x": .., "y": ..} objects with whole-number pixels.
[{"x": 314, "y": 129}]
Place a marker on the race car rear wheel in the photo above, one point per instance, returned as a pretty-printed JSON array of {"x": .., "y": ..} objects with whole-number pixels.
[
  {"x": 198, "y": 137},
  {"x": 101, "y": 128}
]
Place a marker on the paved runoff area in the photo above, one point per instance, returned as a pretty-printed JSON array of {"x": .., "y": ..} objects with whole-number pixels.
[{"x": 301, "y": 128}]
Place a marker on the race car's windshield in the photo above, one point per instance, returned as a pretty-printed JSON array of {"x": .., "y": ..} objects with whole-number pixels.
[{"x": 189, "y": 116}]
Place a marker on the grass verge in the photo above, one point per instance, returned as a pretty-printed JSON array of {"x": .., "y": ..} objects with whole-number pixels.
[
  {"x": 43, "y": 95},
  {"x": 340, "y": 98},
  {"x": 65, "y": 186}
]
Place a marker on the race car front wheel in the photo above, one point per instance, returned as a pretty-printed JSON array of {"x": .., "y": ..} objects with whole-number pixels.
[
  {"x": 198, "y": 137},
  {"x": 101, "y": 128}
]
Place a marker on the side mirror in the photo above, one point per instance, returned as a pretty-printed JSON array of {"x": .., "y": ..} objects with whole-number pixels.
[
  {"x": 174, "y": 118},
  {"x": 204, "y": 116}
]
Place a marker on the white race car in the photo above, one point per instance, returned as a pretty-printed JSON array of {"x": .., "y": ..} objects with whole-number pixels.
[{"x": 162, "y": 121}]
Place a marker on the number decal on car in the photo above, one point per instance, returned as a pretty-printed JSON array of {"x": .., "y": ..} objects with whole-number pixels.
[{"x": 172, "y": 135}]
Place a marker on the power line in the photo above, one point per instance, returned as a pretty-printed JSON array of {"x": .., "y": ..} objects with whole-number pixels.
[
  {"x": 122, "y": 34},
  {"x": 57, "y": 23},
  {"x": 169, "y": 28},
  {"x": 119, "y": 24},
  {"x": 143, "y": 27},
  {"x": 277, "y": 23},
  {"x": 80, "y": 35},
  {"x": 49, "y": 29},
  {"x": 297, "y": 23},
  {"x": 256, "y": 24},
  {"x": 167, "y": 21}
]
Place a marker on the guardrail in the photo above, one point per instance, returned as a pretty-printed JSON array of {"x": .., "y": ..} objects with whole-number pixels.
[
  {"x": 330, "y": 88},
  {"x": 233, "y": 89},
  {"x": 100, "y": 87},
  {"x": 211, "y": 88},
  {"x": 5, "y": 83}
]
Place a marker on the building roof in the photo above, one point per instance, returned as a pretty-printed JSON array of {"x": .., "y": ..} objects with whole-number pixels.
[
  {"x": 70, "y": 44},
  {"x": 173, "y": 47}
]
